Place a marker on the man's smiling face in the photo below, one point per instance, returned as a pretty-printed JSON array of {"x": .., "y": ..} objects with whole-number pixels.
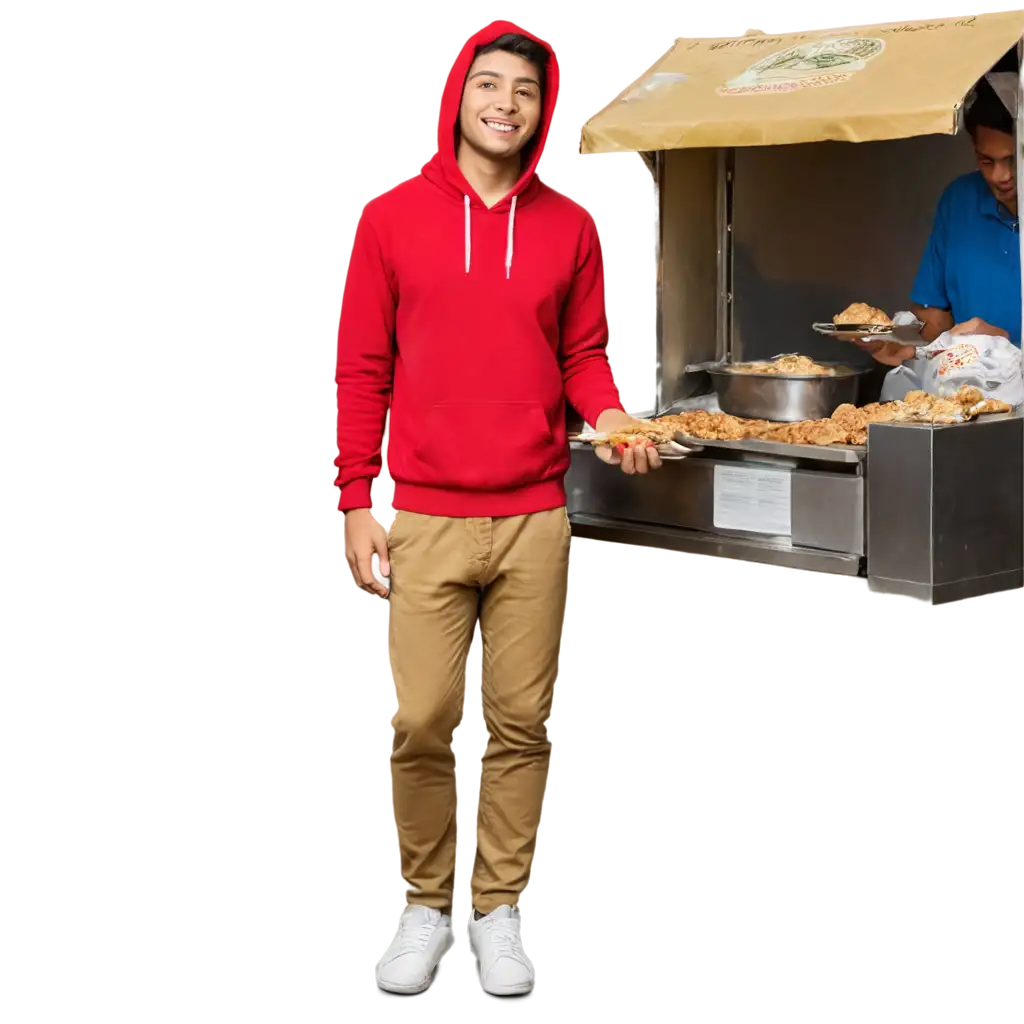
[{"x": 501, "y": 105}]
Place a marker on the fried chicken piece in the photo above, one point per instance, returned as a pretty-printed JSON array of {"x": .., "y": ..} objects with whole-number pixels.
[
  {"x": 855, "y": 421},
  {"x": 710, "y": 426},
  {"x": 861, "y": 314},
  {"x": 974, "y": 403},
  {"x": 850, "y": 418},
  {"x": 946, "y": 410},
  {"x": 761, "y": 430},
  {"x": 967, "y": 403},
  {"x": 989, "y": 406},
  {"x": 876, "y": 413},
  {"x": 968, "y": 396},
  {"x": 828, "y": 432},
  {"x": 812, "y": 432},
  {"x": 915, "y": 400},
  {"x": 931, "y": 410}
]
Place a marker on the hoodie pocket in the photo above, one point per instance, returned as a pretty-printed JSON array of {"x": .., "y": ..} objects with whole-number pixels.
[{"x": 486, "y": 446}]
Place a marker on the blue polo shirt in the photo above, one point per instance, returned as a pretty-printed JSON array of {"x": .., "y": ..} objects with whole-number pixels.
[{"x": 972, "y": 263}]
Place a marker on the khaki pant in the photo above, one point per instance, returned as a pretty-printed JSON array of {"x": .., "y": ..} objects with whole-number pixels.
[{"x": 446, "y": 574}]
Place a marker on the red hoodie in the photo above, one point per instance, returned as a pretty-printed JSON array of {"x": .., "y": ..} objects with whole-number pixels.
[{"x": 475, "y": 325}]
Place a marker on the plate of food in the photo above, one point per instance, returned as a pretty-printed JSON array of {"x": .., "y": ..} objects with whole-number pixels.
[
  {"x": 643, "y": 432},
  {"x": 861, "y": 322}
]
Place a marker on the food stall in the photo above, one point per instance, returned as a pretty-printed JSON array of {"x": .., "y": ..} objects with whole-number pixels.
[{"x": 794, "y": 175}]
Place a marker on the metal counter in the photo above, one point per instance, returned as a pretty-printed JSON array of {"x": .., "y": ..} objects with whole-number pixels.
[{"x": 934, "y": 512}]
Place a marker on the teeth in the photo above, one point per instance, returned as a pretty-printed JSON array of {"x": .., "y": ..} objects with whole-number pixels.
[{"x": 498, "y": 126}]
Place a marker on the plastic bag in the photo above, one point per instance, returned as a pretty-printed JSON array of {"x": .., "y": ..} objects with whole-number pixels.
[{"x": 991, "y": 364}]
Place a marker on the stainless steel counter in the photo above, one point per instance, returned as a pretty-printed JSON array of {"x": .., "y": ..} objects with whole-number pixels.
[{"x": 935, "y": 512}]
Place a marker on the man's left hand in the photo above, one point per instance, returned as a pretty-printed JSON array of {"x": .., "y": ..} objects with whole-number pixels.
[
  {"x": 639, "y": 458},
  {"x": 979, "y": 328},
  {"x": 888, "y": 353}
]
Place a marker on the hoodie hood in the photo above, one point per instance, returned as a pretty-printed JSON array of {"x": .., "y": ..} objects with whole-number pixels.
[{"x": 443, "y": 170}]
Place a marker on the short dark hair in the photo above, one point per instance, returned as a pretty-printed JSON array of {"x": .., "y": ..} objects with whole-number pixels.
[
  {"x": 988, "y": 111},
  {"x": 521, "y": 46}
]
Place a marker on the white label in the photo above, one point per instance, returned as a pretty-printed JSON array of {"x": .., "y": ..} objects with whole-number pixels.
[{"x": 753, "y": 500}]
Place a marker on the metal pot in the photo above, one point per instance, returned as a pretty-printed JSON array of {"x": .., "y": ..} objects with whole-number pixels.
[{"x": 786, "y": 398}]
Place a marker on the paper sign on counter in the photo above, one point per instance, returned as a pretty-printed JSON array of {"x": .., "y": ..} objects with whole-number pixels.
[{"x": 753, "y": 500}]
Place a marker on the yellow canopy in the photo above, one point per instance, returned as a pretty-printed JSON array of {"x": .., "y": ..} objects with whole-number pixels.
[{"x": 850, "y": 85}]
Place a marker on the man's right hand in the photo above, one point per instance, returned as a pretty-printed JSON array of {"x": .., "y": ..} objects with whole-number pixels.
[
  {"x": 977, "y": 327},
  {"x": 889, "y": 353},
  {"x": 365, "y": 537}
]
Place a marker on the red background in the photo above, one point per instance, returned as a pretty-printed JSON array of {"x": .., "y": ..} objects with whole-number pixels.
[{"x": 193, "y": 823}]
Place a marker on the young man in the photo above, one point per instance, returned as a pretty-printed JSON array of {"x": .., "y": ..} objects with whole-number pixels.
[
  {"x": 474, "y": 307},
  {"x": 969, "y": 278}
]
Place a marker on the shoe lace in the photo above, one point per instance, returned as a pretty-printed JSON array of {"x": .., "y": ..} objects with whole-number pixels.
[
  {"x": 504, "y": 935},
  {"x": 413, "y": 938}
]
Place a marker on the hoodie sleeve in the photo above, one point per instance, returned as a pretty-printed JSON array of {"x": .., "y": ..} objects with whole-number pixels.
[
  {"x": 365, "y": 367},
  {"x": 589, "y": 385}
]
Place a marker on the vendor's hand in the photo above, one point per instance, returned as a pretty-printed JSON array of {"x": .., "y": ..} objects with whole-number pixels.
[
  {"x": 888, "y": 353},
  {"x": 364, "y": 538},
  {"x": 638, "y": 458},
  {"x": 979, "y": 328}
]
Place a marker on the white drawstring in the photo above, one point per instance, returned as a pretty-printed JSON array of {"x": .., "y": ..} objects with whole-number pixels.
[{"x": 508, "y": 248}]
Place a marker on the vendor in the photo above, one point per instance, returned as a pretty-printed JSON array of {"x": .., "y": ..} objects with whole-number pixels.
[{"x": 969, "y": 278}]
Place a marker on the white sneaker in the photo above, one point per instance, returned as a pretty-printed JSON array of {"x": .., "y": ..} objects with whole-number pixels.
[
  {"x": 505, "y": 969},
  {"x": 424, "y": 936}
]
